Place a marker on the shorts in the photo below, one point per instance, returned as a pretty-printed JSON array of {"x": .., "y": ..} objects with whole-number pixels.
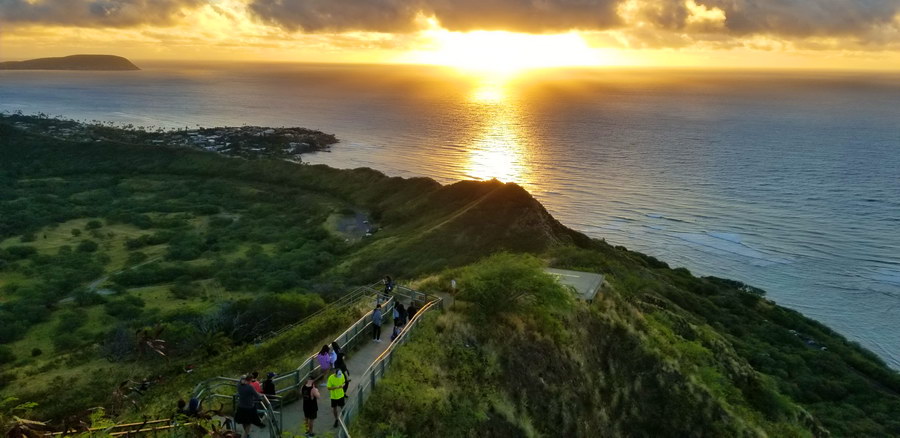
[
  {"x": 246, "y": 416},
  {"x": 310, "y": 412},
  {"x": 338, "y": 402}
]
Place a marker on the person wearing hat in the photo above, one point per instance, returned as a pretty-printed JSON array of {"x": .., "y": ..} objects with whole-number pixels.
[
  {"x": 268, "y": 385},
  {"x": 246, "y": 414}
]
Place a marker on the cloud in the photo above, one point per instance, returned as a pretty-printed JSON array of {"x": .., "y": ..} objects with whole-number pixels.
[
  {"x": 802, "y": 18},
  {"x": 460, "y": 15},
  {"x": 781, "y": 18},
  {"x": 95, "y": 13}
]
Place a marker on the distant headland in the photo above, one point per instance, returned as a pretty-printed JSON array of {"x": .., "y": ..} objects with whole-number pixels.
[{"x": 73, "y": 62}]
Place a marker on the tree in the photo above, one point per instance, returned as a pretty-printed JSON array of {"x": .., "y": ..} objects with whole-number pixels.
[{"x": 87, "y": 246}]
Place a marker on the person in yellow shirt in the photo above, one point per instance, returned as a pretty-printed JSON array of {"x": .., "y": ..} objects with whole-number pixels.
[{"x": 336, "y": 390}]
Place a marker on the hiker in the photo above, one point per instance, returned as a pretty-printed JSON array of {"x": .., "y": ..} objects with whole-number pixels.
[
  {"x": 411, "y": 311},
  {"x": 268, "y": 385},
  {"x": 395, "y": 333},
  {"x": 396, "y": 315},
  {"x": 193, "y": 409},
  {"x": 403, "y": 316},
  {"x": 376, "y": 323},
  {"x": 254, "y": 380},
  {"x": 324, "y": 359},
  {"x": 341, "y": 364},
  {"x": 310, "y": 395},
  {"x": 246, "y": 414},
  {"x": 182, "y": 408},
  {"x": 388, "y": 285},
  {"x": 336, "y": 383}
]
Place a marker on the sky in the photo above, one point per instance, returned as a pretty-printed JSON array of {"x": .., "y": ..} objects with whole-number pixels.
[{"x": 477, "y": 34}]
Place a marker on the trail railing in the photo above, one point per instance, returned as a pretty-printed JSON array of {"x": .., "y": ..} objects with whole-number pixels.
[
  {"x": 287, "y": 383},
  {"x": 378, "y": 368},
  {"x": 224, "y": 388}
]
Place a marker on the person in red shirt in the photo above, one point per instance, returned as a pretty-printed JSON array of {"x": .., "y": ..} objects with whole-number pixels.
[{"x": 255, "y": 382}]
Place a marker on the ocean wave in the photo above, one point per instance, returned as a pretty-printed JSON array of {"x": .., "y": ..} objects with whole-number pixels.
[
  {"x": 731, "y": 244},
  {"x": 663, "y": 217},
  {"x": 885, "y": 275}
]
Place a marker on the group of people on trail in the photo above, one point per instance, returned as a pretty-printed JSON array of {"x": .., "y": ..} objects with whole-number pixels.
[
  {"x": 333, "y": 367},
  {"x": 250, "y": 393},
  {"x": 331, "y": 360}
]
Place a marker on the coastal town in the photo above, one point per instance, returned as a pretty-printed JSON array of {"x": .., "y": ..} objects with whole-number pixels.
[{"x": 249, "y": 142}]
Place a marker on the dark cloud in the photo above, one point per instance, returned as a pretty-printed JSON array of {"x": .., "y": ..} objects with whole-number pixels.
[
  {"x": 802, "y": 18},
  {"x": 781, "y": 18},
  {"x": 338, "y": 15},
  {"x": 400, "y": 15},
  {"x": 94, "y": 13}
]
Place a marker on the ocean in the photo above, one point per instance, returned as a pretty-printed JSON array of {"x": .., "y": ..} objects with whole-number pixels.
[{"x": 787, "y": 181}]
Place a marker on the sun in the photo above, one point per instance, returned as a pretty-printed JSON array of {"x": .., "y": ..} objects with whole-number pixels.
[{"x": 501, "y": 52}]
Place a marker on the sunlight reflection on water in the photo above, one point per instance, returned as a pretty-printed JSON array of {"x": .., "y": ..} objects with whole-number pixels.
[{"x": 498, "y": 149}]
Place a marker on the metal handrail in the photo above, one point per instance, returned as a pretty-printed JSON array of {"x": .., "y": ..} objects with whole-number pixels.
[
  {"x": 346, "y": 299},
  {"x": 203, "y": 388},
  {"x": 377, "y": 369},
  {"x": 348, "y": 339}
]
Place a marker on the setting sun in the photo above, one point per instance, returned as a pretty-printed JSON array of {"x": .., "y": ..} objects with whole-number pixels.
[{"x": 499, "y": 52}]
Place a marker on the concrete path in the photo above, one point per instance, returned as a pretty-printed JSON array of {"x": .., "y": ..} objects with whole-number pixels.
[{"x": 358, "y": 361}]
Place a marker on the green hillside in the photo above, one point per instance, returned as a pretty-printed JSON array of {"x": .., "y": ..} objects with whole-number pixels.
[{"x": 104, "y": 245}]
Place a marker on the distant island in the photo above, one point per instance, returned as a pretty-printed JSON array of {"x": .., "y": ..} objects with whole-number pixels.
[{"x": 73, "y": 62}]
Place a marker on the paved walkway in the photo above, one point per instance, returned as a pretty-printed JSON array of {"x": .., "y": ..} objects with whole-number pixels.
[{"x": 358, "y": 361}]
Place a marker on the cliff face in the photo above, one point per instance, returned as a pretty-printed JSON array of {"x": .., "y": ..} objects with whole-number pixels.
[{"x": 73, "y": 62}]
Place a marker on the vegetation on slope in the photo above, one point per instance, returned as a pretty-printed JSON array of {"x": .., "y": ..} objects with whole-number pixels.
[{"x": 659, "y": 353}]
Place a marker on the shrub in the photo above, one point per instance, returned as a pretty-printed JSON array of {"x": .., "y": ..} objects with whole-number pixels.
[
  {"x": 66, "y": 341},
  {"x": 126, "y": 307},
  {"x": 137, "y": 257},
  {"x": 76, "y": 232},
  {"x": 85, "y": 297},
  {"x": 19, "y": 252},
  {"x": 87, "y": 246},
  {"x": 94, "y": 224},
  {"x": 6, "y": 355},
  {"x": 35, "y": 352},
  {"x": 510, "y": 283}
]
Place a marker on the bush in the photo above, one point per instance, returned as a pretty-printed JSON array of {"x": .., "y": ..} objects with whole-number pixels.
[
  {"x": 19, "y": 252},
  {"x": 183, "y": 290},
  {"x": 206, "y": 210},
  {"x": 71, "y": 321},
  {"x": 35, "y": 352},
  {"x": 137, "y": 257},
  {"x": 126, "y": 307},
  {"x": 94, "y": 224},
  {"x": 510, "y": 283},
  {"x": 66, "y": 341},
  {"x": 6, "y": 355},
  {"x": 76, "y": 232},
  {"x": 85, "y": 298},
  {"x": 87, "y": 246}
]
